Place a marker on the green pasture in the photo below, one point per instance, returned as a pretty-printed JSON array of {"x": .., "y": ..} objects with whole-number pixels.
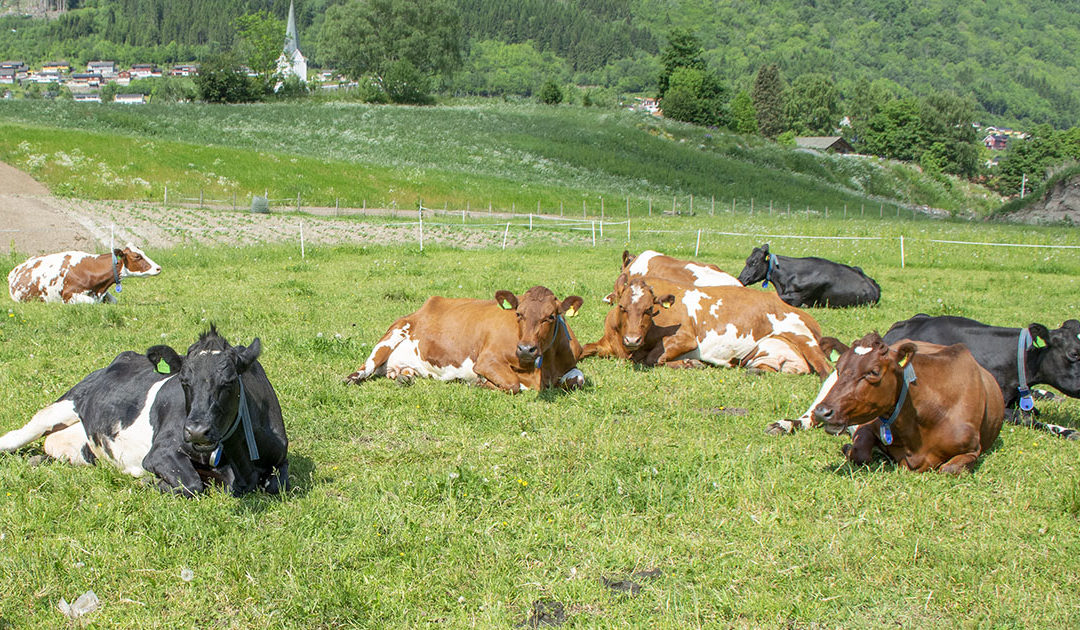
[
  {"x": 475, "y": 154},
  {"x": 452, "y": 506}
]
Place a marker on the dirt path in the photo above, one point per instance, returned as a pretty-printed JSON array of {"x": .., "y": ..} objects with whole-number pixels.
[{"x": 30, "y": 222}]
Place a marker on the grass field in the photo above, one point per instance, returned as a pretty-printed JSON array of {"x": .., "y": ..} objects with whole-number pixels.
[{"x": 447, "y": 505}]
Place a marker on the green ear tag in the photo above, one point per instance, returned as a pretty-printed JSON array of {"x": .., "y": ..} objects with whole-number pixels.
[
  {"x": 163, "y": 367},
  {"x": 506, "y": 305},
  {"x": 834, "y": 355},
  {"x": 1039, "y": 343}
]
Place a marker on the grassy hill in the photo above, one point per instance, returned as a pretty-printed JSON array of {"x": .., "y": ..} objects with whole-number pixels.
[{"x": 506, "y": 155}]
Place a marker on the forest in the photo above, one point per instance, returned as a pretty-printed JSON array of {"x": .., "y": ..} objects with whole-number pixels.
[{"x": 1011, "y": 58}]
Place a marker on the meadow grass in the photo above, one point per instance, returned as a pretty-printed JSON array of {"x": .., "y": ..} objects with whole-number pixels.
[
  {"x": 448, "y": 505},
  {"x": 503, "y": 154}
]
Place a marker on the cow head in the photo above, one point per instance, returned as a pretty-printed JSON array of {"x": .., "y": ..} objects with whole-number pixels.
[
  {"x": 210, "y": 377},
  {"x": 135, "y": 262},
  {"x": 869, "y": 376},
  {"x": 637, "y": 305},
  {"x": 757, "y": 265},
  {"x": 538, "y": 312},
  {"x": 1059, "y": 356}
]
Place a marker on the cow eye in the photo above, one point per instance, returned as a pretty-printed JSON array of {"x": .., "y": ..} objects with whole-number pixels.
[{"x": 622, "y": 308}]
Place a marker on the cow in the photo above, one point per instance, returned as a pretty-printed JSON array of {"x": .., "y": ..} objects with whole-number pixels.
[
  {"x": 210, "y": 416},
  {"x": 510, "y": 343},
  {"x": 653, "y": 264},
  {"x": 78, "y": 277},
  {"x": 810, "y": 281},
  {"x": 927, "y": 406},
  {"x": 655, "y": 322}
]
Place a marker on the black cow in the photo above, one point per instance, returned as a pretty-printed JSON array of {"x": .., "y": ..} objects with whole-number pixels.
[
  {"x": 1051, "y": 357},
  {"x": 211, "y": 415},
  {"x": 810, "y": 281}
]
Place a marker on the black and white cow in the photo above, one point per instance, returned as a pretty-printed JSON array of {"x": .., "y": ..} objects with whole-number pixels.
[
  {"x": 209, "y": 416},
  {"x": 1046, "y": 357},
  {"x": 810, "y": 281}
]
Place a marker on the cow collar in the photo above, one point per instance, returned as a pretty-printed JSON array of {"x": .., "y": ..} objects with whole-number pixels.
[
  {"x": 116, "y": 272},
  {"x": 243, "y": 416},
  {"x": 559, "y": 325},
  {"x": 885, "y": 433},
  {"x": 773, "y": 264},
  {"x": 1022, "y": 345}
]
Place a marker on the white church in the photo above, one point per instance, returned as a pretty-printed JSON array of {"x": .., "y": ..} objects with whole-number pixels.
[{"x": 292, "y": 62}]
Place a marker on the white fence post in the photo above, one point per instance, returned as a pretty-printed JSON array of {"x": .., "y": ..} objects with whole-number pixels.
[
  {"x": 901, "y": 252},
  {"x": 420, "y": 213},
  {"x": 698, "y": 246},
  {"x": 505, "y": 233},
  {"x": 166, "y": 202},
  {"x": 594, "y": 233},
  {"x": 302, "y": 240}
]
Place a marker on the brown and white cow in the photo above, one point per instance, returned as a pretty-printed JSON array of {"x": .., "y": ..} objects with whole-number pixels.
[
  {"x": 656, "y": 322},
  {"x": 78, "y": 277},
  {"x": 510, "y": 343},
  {"x": 928, "y": 407},
  {"x": 653, "y": 264}
]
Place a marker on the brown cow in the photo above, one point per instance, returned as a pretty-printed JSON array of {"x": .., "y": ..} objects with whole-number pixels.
[
  {"x": 78, "y": 277},
  {"x": 653, "y": 264},
  {"x": 655, "y": 322},
  {"x": 508, "y": 343},
  {"x": 949, "y": 413}
]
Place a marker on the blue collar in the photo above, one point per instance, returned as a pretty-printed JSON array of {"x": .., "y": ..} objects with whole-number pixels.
[
  {"x": 243, "y": 416},
  {"x": 559, "y": 325},
  {"x": 1022, "y": 345},
  {"x": 115, "y": 273},
  {"x": 773, "y": 264},
  {"x": 885, "y": 433}
]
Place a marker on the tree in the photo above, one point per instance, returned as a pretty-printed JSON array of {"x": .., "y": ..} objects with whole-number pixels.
[
  {"x": 683, "y": 51},
  {"x": 768, "y": 97},
  {"x": 374, "y": 37},
  {"x": 221, "y": 79},
  {"x": 813, "y": 105},
  {"x": 696, "y": 96},
  {"x": 743, "y": 114},
  {"x": 260, "y": 42},
  {"x": 551, "y": 93}
]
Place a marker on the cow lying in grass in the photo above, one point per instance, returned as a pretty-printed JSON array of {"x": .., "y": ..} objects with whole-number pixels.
[
  {"x": 78, "y": 277},
  {"x": 510, "y": 343},
  {"x": 927, "y": 407},
  {"x": 810, "y": 281},
  {"x": 209, "y": 416},
  {"x": 655, "y": 322}
]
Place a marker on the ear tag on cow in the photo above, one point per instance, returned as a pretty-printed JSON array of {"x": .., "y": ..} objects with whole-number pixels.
[
  {"x": 903, "y": 362},
  {"x": 215, "y": 457},
  {"x": 570, "y": 312},
  {"x": 163, "y": 367},
  {"x": 1039, "y": 343},
  {"x": 885, "y": 435},
  {"x": 506, "y": 305},
  {"x": 1026, "y": 402},
  {"x": 539, "y": 361},
  {"x": 666, "y": 304},
  {"x": 834, "y": 356}
]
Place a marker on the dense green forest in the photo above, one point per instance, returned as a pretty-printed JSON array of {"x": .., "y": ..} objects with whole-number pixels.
[{"x": 1013, "y": 58}]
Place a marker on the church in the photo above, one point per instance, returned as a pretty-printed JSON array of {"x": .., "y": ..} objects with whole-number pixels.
[{"x": 292, "y": 62}]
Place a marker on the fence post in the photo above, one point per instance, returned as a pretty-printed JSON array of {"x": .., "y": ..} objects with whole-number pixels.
[
  {"x": 770, "y": 207},
  {"x": 166, "y": 202},
  {"x": 845, "y": 210},
  {"x": 751, "y": 206},
  {"x": 601, "y": 216},
  {"x": 601, "y": 227},
  {"x": 628, "y": 208},
  {"x": 420, "y": 213},
  {"x": 505, "y": 232},
  {"x": 298, "y": 202},
  {"x": 698, "y": 245},
  {"x": 881, "y": 210},
  {"x": 234, "y": 201},
  {"x": 201, "y": 198},
  {"x": 513, "y": 207},
  {"x": 582, "y": 208},
  {"x": 901, "y": 252},
  {"x": 627, "y": 229},
  {"x": 301, "y": 240},
  {"x": 712, "y": 205},
  {"x": 826, "y": 212},
  {"x": 673, "y": 198},
  {"x": 560, "y": 208},
  {"x": 337, "y": 207},
  {"x": 732, "y": 205},
  {"x": 650, "y": 206},
  {"x": 594, "y": 233},
  {"x": 691, "y": 205},
  {"x": 530, "y": 221},
  {"x": 537, "y": 206}
]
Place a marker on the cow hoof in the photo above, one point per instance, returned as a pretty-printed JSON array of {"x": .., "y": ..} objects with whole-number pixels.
[
  {"x": 404, "y": 379},
  {"x": 1072, "y": 435},
  {"x": 352, "y": 379},
  {"x": 755, "y": 371},
  {"x": 775, "y": 428},
  {"x": 846, "y": 450}
]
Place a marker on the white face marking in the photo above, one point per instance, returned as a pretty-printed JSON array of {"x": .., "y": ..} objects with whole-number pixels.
[
  {"x": 692, "y": 300},
  {"x": 791, "y": 323},
  {"x": 202, "y": 352},
  {"x": 640, "y": 266},
  {"x": 154, "y": 269},
  {"x": 709, "y": 277},
  {"x": 131, "y": 444},
  {"x": 862, "y": 349},
  {"x": 636, "y": 293}
]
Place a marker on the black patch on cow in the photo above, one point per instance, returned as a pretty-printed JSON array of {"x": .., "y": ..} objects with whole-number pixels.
[
  {"x": 545, "y": 612},
  {"x": 88, "y": 454}
]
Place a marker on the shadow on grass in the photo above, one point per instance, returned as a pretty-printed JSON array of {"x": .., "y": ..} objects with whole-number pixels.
[{"x": 301, "y": 477}]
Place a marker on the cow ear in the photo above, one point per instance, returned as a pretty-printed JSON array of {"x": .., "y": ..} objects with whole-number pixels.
[
  {"x": 571, "y": 305},
  {"x": 119, "y": 253},
  {"x": 626, "y": 258},
  {"x": 609, "y": 298},
  {"x": 621, "y": 282},
  {"x": 765, "y": 248},
  {"x": 506, "y": 300},
  {"x": 904, "y": 353},
  {"x": 245, "y": 356},
  {"x": 1040, "y": 336},
  {"x": 665, "y": 300},
  {"x": 164, "y": 359},
  {"x": 833, "y": 348}
]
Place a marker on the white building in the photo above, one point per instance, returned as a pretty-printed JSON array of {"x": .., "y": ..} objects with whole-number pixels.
[{"x": 292, "y": 62}]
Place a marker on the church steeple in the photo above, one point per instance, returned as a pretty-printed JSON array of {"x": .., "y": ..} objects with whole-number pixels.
[{"x": 292, "y": 39}]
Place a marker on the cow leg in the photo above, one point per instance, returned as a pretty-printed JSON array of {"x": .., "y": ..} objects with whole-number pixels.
[
  {"x": 498, "y": 375},
  {"x": 861, "y": 449},
  {"x": 376, "y": 361},
  {"x": 677, "y": 345},
  {"x": 806, "y": 420},
  {"x": 57, "y": 416},
  {"x": 278, "y": 481},
  {"x": 175, "y": 472},
  {"x": 1027, "y": 419},
  {"x": 965, "y": 462},
  {"x": 69, "y": 445}
]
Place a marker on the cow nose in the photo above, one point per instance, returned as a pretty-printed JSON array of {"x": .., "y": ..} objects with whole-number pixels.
[
  {"x": 822, "y": 414},
  {"x": 632, "y": 342},
  {"x": 525, "y": 350},
  {"x": 197, "y": 434}
]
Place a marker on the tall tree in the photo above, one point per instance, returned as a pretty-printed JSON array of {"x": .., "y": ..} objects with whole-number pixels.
[
  {"x": 377, "y": 37},
  {"x": 813, "y": 105},
  {"x": 743, "y": 114},
  {"x": 768, "y": 97},
  {"x": 261, "y": 36},
  {"x": 683, "y": 51}
]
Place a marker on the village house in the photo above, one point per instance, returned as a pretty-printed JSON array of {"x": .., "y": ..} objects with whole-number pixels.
[
  {"x": 830, "y": 144},
  {"x": 123, "y": 77},
  {"x": 85, "y": 80},
  {"x": 184, "y": 70},
  {"x": 995, "y": 141},
  {"x": 130, "y": 99},
  {"x": 145, "y": 71},
  {"x": 58, "y": 67},
  {"x": 87, "y": 97},
  {"x": 107, "y": 69},
  {"x": 7, "y": 76}
]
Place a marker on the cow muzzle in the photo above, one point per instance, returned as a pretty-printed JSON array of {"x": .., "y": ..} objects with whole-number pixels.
[
  {"x": 828, "y": 418},
  {"x": 197, "y": 435},
  {"x": 631, "y": 343},
  {"x": 527, "y": 353}
]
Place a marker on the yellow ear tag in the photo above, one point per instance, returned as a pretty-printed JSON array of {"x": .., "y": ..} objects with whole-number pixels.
[
  {"x": 666, "y": 304},
  {"x": 570, "y": 312},
  {"x": 903, "y": 362},
  {"x": 506, "y": 305}
]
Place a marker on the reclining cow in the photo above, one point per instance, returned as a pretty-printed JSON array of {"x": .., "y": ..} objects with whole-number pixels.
[
  {"x": 926, "y": 406},
  {"x": 508, "y": 343},
  {"x": 78, "y": 277},
  {"x": 1048, "y": 357},
  {"x": 655, "y": 322},
  {"x": 653, "y": 264},
  {"x": 810, "y": 281},
  {"x": 209, "y": 416}
]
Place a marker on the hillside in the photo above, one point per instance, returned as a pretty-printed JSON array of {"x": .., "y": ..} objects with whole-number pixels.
[{"x": 1009, "y": 56}]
